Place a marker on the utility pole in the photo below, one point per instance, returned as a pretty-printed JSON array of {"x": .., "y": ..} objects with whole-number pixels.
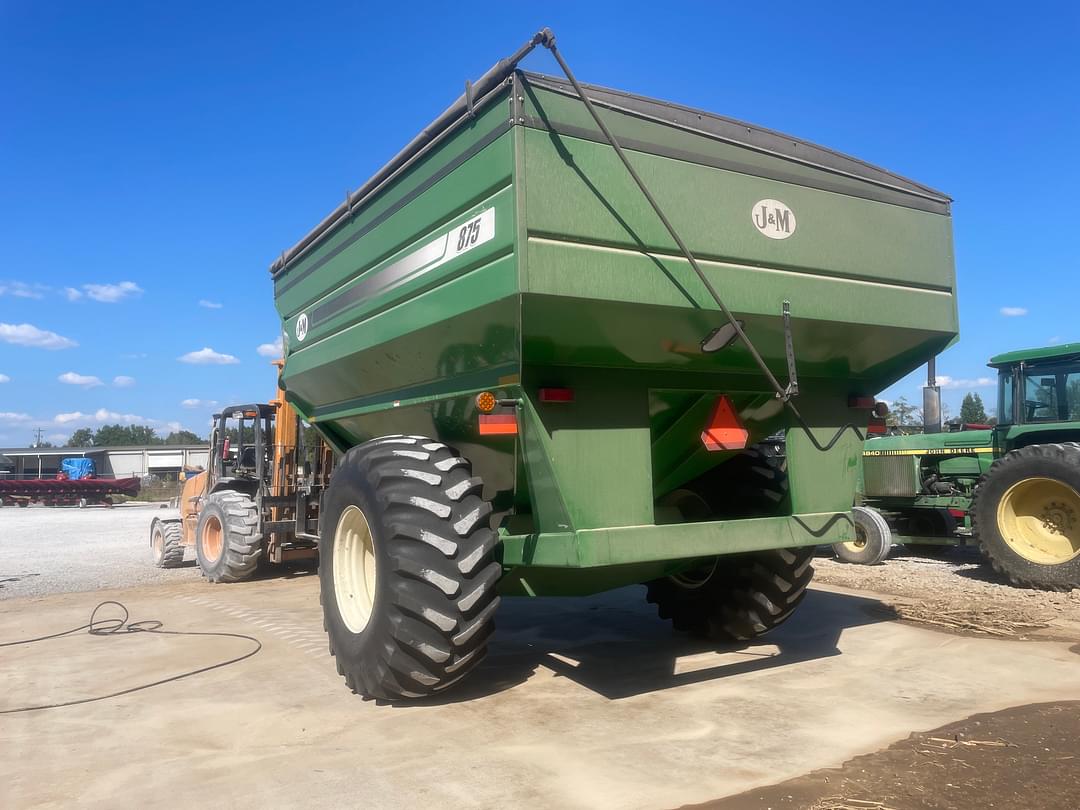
[{"x": 37, "y": 436}]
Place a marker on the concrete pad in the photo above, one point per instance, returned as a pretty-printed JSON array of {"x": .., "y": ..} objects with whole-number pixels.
[{"x": 582, "y": 703}]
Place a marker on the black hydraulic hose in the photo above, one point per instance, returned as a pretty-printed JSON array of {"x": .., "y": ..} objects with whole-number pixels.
[
  {"x": 547, "y": 39},
  {"x": 121, "y": 625}
]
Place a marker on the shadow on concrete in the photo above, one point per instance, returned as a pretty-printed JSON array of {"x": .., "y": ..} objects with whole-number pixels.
[{"x": 614, "y": 645}]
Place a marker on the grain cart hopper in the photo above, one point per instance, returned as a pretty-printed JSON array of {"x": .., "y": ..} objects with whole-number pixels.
[
  {"x": 1013, "y": 489},
  {"x": 525, "y": 370},
  {"x": 256, "y": 503}
]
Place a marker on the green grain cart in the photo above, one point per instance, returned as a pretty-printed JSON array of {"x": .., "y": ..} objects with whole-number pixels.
[{"x": 544, "y": 339}]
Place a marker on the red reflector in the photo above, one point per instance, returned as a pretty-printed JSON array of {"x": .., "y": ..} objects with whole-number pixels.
[
  {"x": 556, "y": 394},
  {"x": 498, "y": 424},
  {"x": 864, "y": 403},
  {"x": 724, "y": 431},
  {"x": 958, "y": 513}
]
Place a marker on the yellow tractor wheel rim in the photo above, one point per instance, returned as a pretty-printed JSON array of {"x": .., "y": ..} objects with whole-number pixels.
[
  {"x": 1039, "y": 518},
  {"x": 857, "y": 545}
]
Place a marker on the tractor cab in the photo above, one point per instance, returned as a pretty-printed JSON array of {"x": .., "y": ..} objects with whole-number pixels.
[
  {"x": 1038, "y": 386},
  {"x": 241, "y": 445}
]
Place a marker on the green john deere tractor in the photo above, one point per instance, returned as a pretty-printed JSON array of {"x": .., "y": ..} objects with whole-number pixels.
[{"x": 1012, "y": 489}]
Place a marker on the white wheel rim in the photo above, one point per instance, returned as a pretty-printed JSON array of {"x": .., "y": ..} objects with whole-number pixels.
[{"x": 354, "y": 569}]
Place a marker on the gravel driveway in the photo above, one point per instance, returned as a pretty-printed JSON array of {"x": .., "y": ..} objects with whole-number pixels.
[{"x": 46, "y": 550}]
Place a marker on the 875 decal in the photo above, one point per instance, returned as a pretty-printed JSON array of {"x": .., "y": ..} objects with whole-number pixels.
[{"x": 476, "y": 231}]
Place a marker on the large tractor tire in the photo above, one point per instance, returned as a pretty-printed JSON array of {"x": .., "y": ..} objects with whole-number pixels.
[
  {"x": 737, "y": 597},
  {"x": 407, "y": 568},
  {"x": 1026, "y": 516},
  {"x": 873, "y": 539},
  {"x": 228, "y": 543},
  {"x": 166, "y": 543},
  {"x": 740, "y": 596}
]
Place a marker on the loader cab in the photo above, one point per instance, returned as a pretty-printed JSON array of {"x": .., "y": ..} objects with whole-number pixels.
[
  {"x": 1039, "y": 386},
  {"x": 241, "y": 444}
]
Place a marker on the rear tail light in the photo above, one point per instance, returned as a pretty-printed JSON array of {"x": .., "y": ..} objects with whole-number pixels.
[
  {"x": 498, "y": 424},
  {"x": 556, "y": 394}
]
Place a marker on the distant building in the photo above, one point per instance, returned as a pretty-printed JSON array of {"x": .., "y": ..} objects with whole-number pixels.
[{"x": 162, "y": 460}]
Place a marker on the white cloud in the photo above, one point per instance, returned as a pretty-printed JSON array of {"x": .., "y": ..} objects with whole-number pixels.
[
  {"x": 135, "y": 356},
  {"x": 20, "y": 289},
  {"x": 4, "y": 378},
  {"x": 199, "y": 403},
  {"x": 72, "y": 294},
  {"x": 209, "y": 304},
  {"x": 1054, "y": 341},
  {"x": 1013, "y": 312},
  {"x": 270, "y": 349},
  {"x": 8, "y": 417},
  {"x": 101, "y": 416},
  {"x": 25, "y": 334},
  {"x": 111, "y": 293},
  {"x": 123, "y": 381},
  {"x": 207, "y": 356},
  {"x": 947, "y": 382},
  {"x": 85, "y": 380},
  {"x": 175, "y": 427}
]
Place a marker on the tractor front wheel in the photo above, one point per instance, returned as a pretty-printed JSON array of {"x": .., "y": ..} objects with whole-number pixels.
[
  {"x": 873, "y": 539},
  {"x": 1026, "y": 516},
  {"x": 407, "y": 568}
]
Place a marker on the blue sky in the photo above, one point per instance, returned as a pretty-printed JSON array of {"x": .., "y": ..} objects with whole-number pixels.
[{"x": 154, "y": 158}]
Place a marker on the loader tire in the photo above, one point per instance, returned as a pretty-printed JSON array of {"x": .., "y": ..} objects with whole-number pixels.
[
  {"x": 407, "y": 568},
  {"x": 167, "y": 544},
  {"x": 873, "y": 539},
  {"x": 1026, "y": 516},
  {"x": 738, "y": 597},
  {"x": 228, "y": 543}
]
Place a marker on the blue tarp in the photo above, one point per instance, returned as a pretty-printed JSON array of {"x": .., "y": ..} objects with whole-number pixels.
[{"x": 78, "y": 468}]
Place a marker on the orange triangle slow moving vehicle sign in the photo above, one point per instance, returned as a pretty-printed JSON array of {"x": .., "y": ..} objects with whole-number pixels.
[{"x": 724, "y": 431}]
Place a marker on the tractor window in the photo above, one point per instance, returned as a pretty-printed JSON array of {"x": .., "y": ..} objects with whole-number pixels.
[
  {"x": 1072, "y": 395},
  {"x": 1005, "y": 398},
  {"x": 1040, "y": 397}
]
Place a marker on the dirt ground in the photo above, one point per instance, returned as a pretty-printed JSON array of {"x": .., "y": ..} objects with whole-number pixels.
[
  {"x": 1023, "y": 757},
  {"x": 1019, "y": 758},
  {"x": 953, "y": 591},
  {"x": 581, "y": 703}
]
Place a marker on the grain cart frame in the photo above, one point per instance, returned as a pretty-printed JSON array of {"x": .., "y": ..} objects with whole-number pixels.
[
  {"x": 1011, "y": 489},
  {"x": 256, "y": 503},
  {"x": 514, "y": 339}
]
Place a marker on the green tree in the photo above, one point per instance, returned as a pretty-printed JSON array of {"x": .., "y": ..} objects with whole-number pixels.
[
  {"x": 904, "y": 415},
  {"x": 183, "y": 437},
  {"x": 972, "y": 410},
  {"x": 83, "y": 437},
  {"x": 125, "y": 436}
]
